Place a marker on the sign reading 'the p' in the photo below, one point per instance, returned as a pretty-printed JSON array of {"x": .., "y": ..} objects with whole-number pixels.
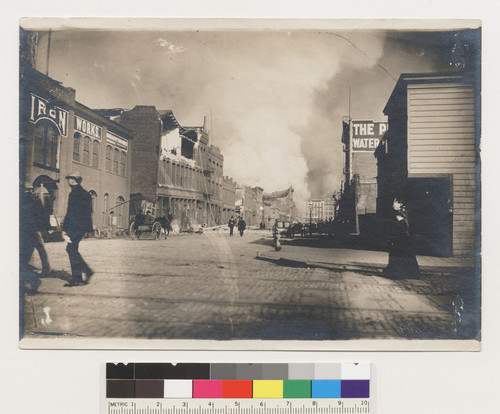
[{"x": 366, "y": 135}]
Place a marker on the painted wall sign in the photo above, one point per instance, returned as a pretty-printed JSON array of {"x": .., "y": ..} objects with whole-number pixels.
[
  {"x": 366, "y": 135},
  {"x": 42, "y": 109},
  {"x": 87, "y": 127},
  {"x": 116, "y": 140}
]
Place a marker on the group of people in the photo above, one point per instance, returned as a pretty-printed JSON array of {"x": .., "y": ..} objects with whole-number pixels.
[
  {"x": 36, "y": 210},
  {"x": 241, "y": 224},
  {"x": 35, "y": 213}
]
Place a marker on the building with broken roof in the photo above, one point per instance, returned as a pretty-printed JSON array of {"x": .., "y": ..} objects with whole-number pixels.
[
  {"x": 175, "y": 169},
  {"x": 278, "y": 205},
  {"x": 249, "y": 204}
]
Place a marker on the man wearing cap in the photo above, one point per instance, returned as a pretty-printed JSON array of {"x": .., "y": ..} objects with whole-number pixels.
[{"x": 77, "y": 223}]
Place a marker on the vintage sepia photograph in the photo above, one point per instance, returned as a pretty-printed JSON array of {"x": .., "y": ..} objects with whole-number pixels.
[{"x": 250, "y": 184}]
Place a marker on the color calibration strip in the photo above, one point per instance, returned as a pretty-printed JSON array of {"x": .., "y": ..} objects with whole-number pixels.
[{"x": 214, "y": 381}]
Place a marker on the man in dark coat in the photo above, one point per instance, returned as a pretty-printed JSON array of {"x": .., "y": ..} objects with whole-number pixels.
[
  {"x": 77, "y": 223},
  {"x": 43, "y": 188},
  {"x": 231, "y": 224},
  {"x": 29, "y": 216},
  {"x": 242, "y": 225}
]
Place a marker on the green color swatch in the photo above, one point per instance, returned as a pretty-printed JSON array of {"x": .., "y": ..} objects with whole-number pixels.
[{"x": 297, "y": 389}]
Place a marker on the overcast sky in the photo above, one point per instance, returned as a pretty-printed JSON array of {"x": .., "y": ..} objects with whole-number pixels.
[{"x": 274, "y": 99}]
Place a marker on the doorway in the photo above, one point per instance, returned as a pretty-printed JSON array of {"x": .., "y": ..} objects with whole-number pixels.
[{"x": 431, "y": 215}]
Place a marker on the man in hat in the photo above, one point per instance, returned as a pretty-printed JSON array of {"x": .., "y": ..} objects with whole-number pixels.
[
  {"x": 77, "y": 223},
  {"x": 43, "y": 191},
  {"x": 28, "y": 224}
]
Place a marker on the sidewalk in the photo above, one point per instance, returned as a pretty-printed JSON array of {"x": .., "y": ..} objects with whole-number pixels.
[{"x": 333, "y": 258}]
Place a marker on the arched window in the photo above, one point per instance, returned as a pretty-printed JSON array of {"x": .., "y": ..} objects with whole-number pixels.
[
  {"x": 76, "y": 147},
  {"x": 119, "y": 211},
  {"x": 123, "y": 163},
  {"x": 46, "y": 144},
  {"x": 105, "y": 212},
  {"x": 86, "y": 151},
  {"x": 93, "y": 194},
  {"x": 115, "y": 160},
  {"x": 109, "y": 152},
  {"x": 95, "y": 154}
]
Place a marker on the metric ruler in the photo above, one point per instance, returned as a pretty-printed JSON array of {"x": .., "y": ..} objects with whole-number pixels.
[
  {"x": 238, "y": 406},
  {"x": 213, "y": 388}
]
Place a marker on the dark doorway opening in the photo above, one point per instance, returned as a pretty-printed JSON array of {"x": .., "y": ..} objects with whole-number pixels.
[{"x": 431, "y": 215}]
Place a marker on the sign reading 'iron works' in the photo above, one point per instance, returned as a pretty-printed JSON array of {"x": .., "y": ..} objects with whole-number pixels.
[{"x": 366, "y": 135}]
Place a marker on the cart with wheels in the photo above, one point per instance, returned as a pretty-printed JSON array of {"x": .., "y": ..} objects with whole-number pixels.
[{"x": 153, "y": 229}]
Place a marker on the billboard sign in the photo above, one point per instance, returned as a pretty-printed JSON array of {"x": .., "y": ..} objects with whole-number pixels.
[{"x": 366, "y": 135}]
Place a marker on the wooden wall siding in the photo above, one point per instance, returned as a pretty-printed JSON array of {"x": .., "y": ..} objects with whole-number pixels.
[{"x": 442, "y": 140}]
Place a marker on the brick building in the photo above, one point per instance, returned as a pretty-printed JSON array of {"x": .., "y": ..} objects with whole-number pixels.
[
  {"x": 59, "y": 135},
  {"x": 279, "y": 205},
  {"x": 249, "y": 204},
  {"x": 228, "y": 198},
  {"x": 176, "y": 170},
  {"x": 317, "y": 210}
]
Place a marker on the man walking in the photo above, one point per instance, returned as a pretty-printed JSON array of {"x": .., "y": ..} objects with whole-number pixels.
[
  {"x": 77, "y": 223},
  {"x": 242, "y": 225},
  {"x": 43, "y": 199},
  {"x": 231, "y": 224}
]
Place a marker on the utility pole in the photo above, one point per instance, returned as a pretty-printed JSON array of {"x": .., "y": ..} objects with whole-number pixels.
[{"x": 48, "y": 53}]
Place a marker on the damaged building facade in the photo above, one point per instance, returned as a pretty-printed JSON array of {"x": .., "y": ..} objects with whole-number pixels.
[
  {"x": 249, "y": 204},
  {"x": 175, "y": 169},
  {"x": 279, "y": 205}
]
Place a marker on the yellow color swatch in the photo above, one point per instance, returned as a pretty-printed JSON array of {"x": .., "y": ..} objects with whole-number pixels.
[{"x": 268, "y": 389}]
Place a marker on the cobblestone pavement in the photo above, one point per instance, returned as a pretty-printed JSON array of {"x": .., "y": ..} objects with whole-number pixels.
[{"x": 211, "y": 286}]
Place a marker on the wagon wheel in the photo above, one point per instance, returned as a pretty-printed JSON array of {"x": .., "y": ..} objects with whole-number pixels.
[
  {"x": 134, "y": 233},
  {"x": 156, "y": 230}
]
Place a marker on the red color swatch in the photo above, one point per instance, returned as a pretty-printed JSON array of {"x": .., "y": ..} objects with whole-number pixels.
[{"x": 236, "y": 389}]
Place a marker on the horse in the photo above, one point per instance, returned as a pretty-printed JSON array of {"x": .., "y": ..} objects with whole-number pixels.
[{"x": 166, "y": 225}]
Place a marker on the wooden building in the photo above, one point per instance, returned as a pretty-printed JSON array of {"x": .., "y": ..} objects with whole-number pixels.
[{"x": 430, "y": 156}]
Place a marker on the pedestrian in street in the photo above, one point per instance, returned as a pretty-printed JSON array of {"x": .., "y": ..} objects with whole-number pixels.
[
  {"x": 231, "y": 225},
  {"x": 43, "y": 200},
  {"x": 402, "y": 260},
  {"x": 77, "y": 223},
  {"x": 276, "y": 237},
  {"x": 27, "y": 237},
  {"x": 242, "y": 225}
]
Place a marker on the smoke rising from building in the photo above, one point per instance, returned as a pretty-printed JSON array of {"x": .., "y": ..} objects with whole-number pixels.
[{"x": 274, "y": 99}]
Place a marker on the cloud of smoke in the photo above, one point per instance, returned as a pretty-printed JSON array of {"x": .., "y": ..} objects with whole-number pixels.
[{"x": 274, "y": 99}]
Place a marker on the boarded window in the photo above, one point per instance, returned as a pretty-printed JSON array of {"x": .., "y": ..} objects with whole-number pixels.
[
  {"x": 76, "y": 147},
  {"x": 86, "y": 151},
  {"x": 123, "y": 163},
  {"x": 95, "y": 154},
  {"x": 115, "y": 160},
  {"x": 109, "y": 152}
]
